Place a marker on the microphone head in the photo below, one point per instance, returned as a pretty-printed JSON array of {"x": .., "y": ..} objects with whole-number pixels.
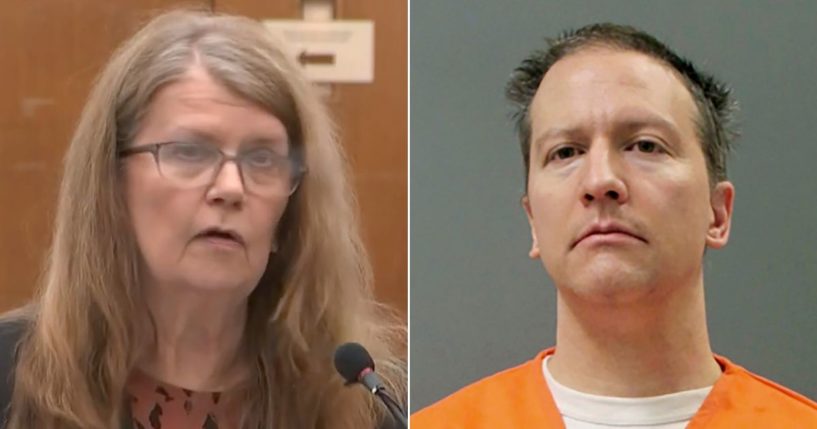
[{"x": 351, "y": 359}]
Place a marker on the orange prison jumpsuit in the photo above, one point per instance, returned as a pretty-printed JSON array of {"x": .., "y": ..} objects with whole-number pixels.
[{"x": 519, "y": 398}]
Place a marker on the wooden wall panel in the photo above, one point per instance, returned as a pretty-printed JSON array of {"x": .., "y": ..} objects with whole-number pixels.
[
  {"x": 374, "y": 119},
  {"x": 50, "y": 51},
  {"x": 373, "y": 123},
  {"x": 279, "y": 9}
]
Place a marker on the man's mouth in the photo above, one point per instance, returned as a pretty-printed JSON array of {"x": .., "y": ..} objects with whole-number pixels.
[{"x": 608, "y": 232}]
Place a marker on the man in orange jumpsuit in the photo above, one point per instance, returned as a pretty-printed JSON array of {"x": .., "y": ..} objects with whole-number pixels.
[{"x": 625, "y": 147}]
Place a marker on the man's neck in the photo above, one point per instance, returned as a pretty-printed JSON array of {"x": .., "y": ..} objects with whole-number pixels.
[{"x": 648, "y": 347}]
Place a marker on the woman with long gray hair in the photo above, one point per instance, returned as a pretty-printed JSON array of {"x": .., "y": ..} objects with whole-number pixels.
[{"x": 206, "y": 259}]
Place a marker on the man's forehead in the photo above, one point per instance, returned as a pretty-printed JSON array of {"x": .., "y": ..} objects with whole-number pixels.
[{"x": 594, "y": 79}]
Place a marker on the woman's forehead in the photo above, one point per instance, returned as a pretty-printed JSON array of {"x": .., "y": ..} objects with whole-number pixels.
[{"x": 197, "y": 105}]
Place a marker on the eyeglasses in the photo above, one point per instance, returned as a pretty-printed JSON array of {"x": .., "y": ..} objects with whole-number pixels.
[{"x": 190, "y": 165}]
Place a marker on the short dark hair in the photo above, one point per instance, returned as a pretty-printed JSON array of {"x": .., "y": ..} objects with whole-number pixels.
[{"x": 712, "y": 98}]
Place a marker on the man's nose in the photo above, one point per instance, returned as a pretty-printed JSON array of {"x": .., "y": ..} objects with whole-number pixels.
[{"x": 603, "y": 177}]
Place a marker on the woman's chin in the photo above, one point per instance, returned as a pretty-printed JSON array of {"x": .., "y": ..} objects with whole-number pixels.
[{"x": 218, "y": 281}]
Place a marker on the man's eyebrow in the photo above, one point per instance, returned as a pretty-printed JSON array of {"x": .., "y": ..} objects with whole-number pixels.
[
  {"x": 626, "y": 123},
  {"x": 629, "y": 124},
  {"x": 564, "y": 133},
  {"x": 556, "y": 133}
]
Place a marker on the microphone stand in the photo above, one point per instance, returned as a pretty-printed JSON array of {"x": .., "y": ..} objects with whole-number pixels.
[{"x": 393, "y": 407}]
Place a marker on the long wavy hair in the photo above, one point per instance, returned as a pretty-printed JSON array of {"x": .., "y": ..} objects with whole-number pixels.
[{"x": 83, "y": 335}]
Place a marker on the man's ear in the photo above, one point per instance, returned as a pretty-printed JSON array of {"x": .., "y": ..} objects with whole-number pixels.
[
  {"x": 534, "y": 249},
  {"x": 721, "y": 202}
]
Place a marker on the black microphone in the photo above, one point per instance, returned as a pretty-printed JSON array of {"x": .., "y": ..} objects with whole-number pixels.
[{"x": 355, "y": 365}]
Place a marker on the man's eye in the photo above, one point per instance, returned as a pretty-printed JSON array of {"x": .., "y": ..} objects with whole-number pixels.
[
  {"x": 646, "y": 146},
  {"x": 564, "y": 153}
]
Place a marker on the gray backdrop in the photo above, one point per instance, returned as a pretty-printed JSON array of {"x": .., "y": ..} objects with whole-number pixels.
[{"x": 478, "y": 304}]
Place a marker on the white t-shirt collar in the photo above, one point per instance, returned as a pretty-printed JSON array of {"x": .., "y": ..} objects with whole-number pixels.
[{"x": 616, "y": 411}]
